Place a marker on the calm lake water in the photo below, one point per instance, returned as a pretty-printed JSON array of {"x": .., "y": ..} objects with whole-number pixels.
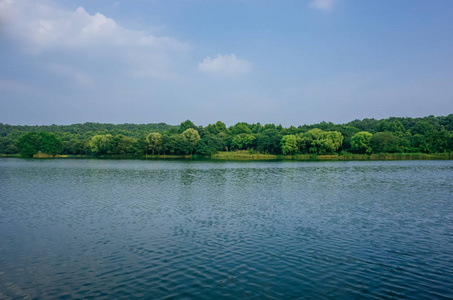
[{"x": 112, "y": 229}]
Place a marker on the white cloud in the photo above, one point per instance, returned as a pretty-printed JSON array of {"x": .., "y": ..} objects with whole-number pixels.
[
  {"x": 323, "y": 4},
  {"x": 41, "y": 27},
  {"x": 225, "y": 64}
]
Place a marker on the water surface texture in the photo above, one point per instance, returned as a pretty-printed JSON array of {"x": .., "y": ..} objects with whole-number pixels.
[{"x": 128, "y": 229}]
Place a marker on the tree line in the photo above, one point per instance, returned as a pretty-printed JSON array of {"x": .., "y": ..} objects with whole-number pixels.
[{"x": 393, "y": 135}]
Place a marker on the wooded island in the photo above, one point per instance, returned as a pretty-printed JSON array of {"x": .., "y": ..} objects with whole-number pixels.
[{"x": 427, "y": 135}]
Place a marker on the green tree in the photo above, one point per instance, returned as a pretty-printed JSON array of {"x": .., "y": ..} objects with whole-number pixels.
[
  {"x": 257, "y": 127},
  {"x": 221, "y": 127},
  {"x": 360, "y": 142},
  {"x": 447, "y": 122},
  {"x": 101, "y": 144},
  {"x": 365, "y": 124},
  {"x": 191, "y": 138},
  {"x": 243, "y": 141},
  {"x": 320, "y": 142},
  {"x": 269, "y": 141},
  {"x": 391, "y": 126},
  {"x": 442, "y": 141},
  {"x": 216, "y": 128},
  {"x": 384, "y": 142},
  {"x": 348, "y": 132},
  {"x": 419, "y": 143},
  {"x": 186, "y": 125},
  {"x": 226, "y": 140},
  {"x": 239, "y": 128},
  {"x": 76, "y": 147},
  {"x": 123, "y": 145},
  {"x": 209, "y": 145},
  {"x": 154, "y": 142},
  {"x": 31, "y": 143},
  {"x": 423, "y": 128},
  {"x": 269, "y": 126},
  {"x": 176, "y": 145},
  {"x": 28, "y": 144},
  {"x": 237, "y": 143},
  {"x": 49, "y": 143},
  {"x": 7, "y": 146},
  {"x": 169, "y": 142},
  {"x": 289, "y": 144},
  {"x": 250, "y": 141}
]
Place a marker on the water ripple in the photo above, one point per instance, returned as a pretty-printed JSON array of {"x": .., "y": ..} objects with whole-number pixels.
[{"x": 93, "y": 229}]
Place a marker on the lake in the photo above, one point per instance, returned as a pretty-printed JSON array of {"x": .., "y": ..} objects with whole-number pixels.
[{"x": 131, "y": 229}]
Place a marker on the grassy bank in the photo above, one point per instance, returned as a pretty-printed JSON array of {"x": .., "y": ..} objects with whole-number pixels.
[
  {"x": 248, "y": 156},
  {"x": 245, "y": 155}
]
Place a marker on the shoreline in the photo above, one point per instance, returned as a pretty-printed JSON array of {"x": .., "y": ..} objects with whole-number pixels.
[{"x": 246, "y": 156}]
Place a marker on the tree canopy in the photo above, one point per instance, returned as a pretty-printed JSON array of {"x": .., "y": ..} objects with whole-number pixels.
[
  {"x": 31, "y": 143},
  {"x": 393, "y": 135}
]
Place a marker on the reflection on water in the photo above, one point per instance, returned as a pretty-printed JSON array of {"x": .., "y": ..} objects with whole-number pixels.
[{"x": 153, "y": 229}]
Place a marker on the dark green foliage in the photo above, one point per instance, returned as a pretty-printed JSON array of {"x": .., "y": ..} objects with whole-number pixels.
[
  {"x": 393, "y": 135},
  {"x": 365, "y": 125},
  {"x": 442, "y": 141},
  {"x": 385, "y": 142},
  {"x": 7, "y": 146},
  {"x": 186, "y": 125},
  {"x": 176, "y": 145},
  {"x": 244, "y": 141},
  {"x": 390, "y": 126},
  {"x": 239, "y": 128},
  {"x": 419, "y": 143},
  {"x": 31, "y": 143},
  {"x": 446, "y": 122},
  {"x": 269, "y": 141},
  {"x": 28, "y": 144},
  {"x": 216, "y": 128},
  {"x": 423, "y": 128},
  {"x": 76, "y": 147},
  {"x": 90, "y": 129},
  {"x": 257, "y": 128},
  {"x": 348, "y": 132},
  {"x": 124, "y": 145},
  {"x": 49, "y": 143},
  {"x": 210, "y": 145}
]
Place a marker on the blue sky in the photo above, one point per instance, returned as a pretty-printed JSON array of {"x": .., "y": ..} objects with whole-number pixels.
[{"x": 283, "y": 62}]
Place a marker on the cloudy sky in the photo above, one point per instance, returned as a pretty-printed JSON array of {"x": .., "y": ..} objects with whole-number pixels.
[{"x": 284, "y": 62}]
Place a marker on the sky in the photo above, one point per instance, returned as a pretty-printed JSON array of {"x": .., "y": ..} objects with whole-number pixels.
[{"x": 283, "y": 62}]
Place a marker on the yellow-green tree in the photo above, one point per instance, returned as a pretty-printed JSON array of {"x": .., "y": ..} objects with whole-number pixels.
[
  {"x": 289, "y": 144},
  {"x": 360, "y": 142},
  {"x": 154, "y": 142},
  {"x": 101, "y": 144},
  {"x": 320, "y": 142},
  {"x": 191, "y": 138}
]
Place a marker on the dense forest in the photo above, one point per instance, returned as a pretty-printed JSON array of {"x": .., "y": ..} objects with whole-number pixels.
[{"x": 393, "y": 135}]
